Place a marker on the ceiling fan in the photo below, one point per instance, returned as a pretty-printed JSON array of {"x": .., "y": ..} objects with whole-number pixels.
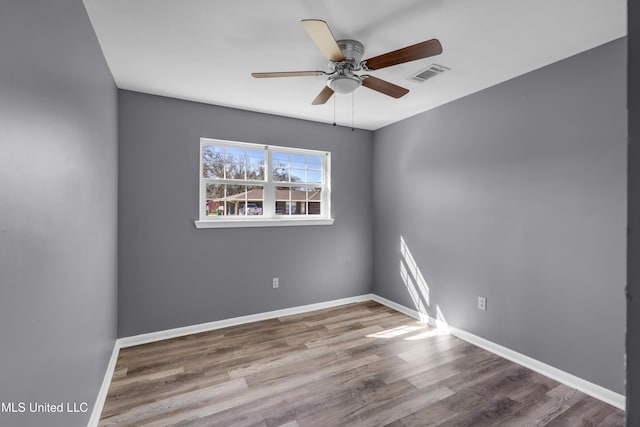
[{"x": 345, "y": 60}]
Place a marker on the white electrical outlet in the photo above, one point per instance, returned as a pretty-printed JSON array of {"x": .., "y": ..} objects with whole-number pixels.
[
  {"x": 482, "y": 303},
  {"x": 276, "y": 282}
]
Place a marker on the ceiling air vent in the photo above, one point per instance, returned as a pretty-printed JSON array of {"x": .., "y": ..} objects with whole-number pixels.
[{"x": 431, "y": 71}]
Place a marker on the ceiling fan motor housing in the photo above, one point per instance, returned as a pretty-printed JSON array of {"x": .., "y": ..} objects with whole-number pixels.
[
  {"x": 344, "y": 81},
  {"x": 352, "y": 50}
]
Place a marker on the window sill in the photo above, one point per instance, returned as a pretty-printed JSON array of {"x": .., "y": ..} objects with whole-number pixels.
[{"x": 271, "y": 222}]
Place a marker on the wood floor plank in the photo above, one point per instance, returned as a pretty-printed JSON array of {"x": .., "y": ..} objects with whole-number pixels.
[
  {"x": 543, "y": 410},
  {"x": 148, "y": 376},
  {"x": 171, "y": 404},
  {"x": 449, "y": 370},
  {"x": 395, "y": 409},
  {"x": 360, "y": 364},
  {"x": 127, "y": 399}
]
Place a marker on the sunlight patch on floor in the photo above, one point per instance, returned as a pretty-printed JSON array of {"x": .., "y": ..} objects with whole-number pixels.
[
  {"x": 433, "y": 332},
  {"x": 395, "y": 332}
]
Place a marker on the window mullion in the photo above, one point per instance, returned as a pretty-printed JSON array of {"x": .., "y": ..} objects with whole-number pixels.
[
  {"x": 202, "y": 209},
  {"x": 269, "y": 203},
  {"x": 325, "y": 208}
]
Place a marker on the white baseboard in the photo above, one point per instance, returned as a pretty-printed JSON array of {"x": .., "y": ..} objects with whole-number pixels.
[
  {"x": 401, "y": 308},
  {"x": 411, "y": 312},
  {"x": 594, "y": 390},
  {"x": 218, "y": 324},
  {"x": 104, "y": 388},
  {"x": 601, "y": 393}
]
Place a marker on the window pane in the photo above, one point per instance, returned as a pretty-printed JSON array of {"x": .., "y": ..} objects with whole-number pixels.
[
  {"x": 214, "y": 204},
  {"x": 214, "y": 207},
  {"x": 234, "y": 189},
  {"x": 255, "y": 156},
  {"x": 213, "y": 170},
  {"x": 235, "y": 155},
  {"x": 232, "y": 171},
  {"x": 314, "y": 208},
  {"x": 298, "y": 201},
  {"x": 314, "y": 162},
  {"x": 298, "y": 208},
  {"x": 299, "y": 194},
  {"x": 212, "y": 153},
  {"x": 280, "y": 158},
  {"x": 298, "y": 175},
  {"x": 282, "y": 193},
  {"x": 215, "y": 191},
  {"x": 255, "y": 172},
  {"x": 280, "y": 174},
  {"x": 315, "y": 194},
  {"x": 245, "y": 200},
  {"x": 280, "y": 166},
  {"x": 232, "y": 163},
  {"x": 281, "y": 208},
  {"x": 236, "y": 197},
  {"x": 283, "y": 198},
  {"x": 298, "y": 161},
  {"x": 227, "y": 199},
  {"x": 253, "y": 201},
  {"x": 315, "y": 198},
  {"x": 235, "y": 171},
  {"x": 314, "y": 176}
]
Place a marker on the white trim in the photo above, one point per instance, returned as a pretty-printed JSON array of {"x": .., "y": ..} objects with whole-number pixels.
[
  {"x": 397, "y": 307},
  {"x": 266, "y": 222},
  {"x": 104, "y": 388},
  {"x": 325, "y": 207},
  {"x": 269, "y": 188},
  {"x": 269, "y": 218},
  {"x": 225, "y": 323},
  {"x": 594, "y": 390},
  {"x": 259, "y": 146}
]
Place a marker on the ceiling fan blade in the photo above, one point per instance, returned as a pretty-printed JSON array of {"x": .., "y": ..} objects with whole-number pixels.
[
  {"x": 406, "y": 54},
  {"x": 323, "y": 96},
  {"x": 321, "y": 35},
  {"x": 288, "y": 74},
  {"x": 384, "y": 86}
]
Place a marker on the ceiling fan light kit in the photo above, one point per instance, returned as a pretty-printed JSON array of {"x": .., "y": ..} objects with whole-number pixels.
[
  {"x": 344, "y": 83},
  {"x": 345, "y": 59}
]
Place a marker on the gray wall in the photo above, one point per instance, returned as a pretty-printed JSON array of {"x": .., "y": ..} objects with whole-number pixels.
[
  {"x": 517, "y": 193},
  {"x": 633, "y": 242},
  {"x": 172, "y": 274},
  {"x": 58, "y": 182}
]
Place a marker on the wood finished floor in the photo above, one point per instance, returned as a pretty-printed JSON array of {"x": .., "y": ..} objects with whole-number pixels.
[{"x": 355, "y": 365}]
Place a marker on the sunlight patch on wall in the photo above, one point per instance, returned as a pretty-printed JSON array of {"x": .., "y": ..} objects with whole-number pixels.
[
  {"x": 418, "y": 288},
  {"x": 441, "y": 321},
  {"x": 414, "y": 281}
]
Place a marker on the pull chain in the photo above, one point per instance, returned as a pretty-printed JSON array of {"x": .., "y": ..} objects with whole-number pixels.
[
  {"x": 334, "y": 109},
  {"x": 352, "y": 113}
]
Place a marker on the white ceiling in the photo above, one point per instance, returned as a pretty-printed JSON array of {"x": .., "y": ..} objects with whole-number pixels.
[{"x": 205, "y": 50}]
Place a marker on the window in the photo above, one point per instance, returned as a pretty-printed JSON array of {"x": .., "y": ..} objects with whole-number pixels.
[{"x": 249, "y": 185}]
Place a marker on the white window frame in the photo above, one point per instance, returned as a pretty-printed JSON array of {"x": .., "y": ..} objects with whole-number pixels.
[{"x": 268, "y": 217}]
